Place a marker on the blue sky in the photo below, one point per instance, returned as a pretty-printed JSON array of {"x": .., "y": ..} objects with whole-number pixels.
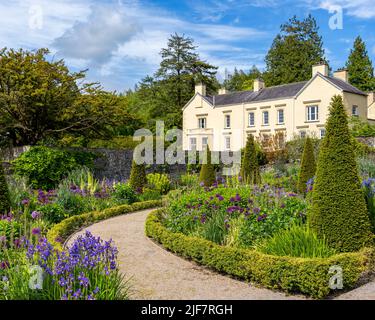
[{"x": 119, "y": 40}]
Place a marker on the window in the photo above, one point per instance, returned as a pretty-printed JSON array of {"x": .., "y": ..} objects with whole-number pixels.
[
  {"x": 312, "y": 113},
  {"x": 227, "y": 121},
  {"x": 227, "y": 143},
  {"x": 202, "y": 123},
  {"x": 355, "y": 111},
  {"x": 204, "y": 142},
  {"x": 193, "y": 144},
  {"x": 280, "y": 116},
  {"x": 302, "y": 134},
  {"x": 251, "y": 119},
  {"x": 265, "y": 118},
  {"x": 322, "y": 133}
]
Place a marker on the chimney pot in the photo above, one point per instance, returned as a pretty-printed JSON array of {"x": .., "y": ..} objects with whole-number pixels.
[
  {"x": 322, "y": 68},
  {"x": 258, "y": 84},
  {"x": 201, "y": 89},
  {"x": 342, "y": 74}
]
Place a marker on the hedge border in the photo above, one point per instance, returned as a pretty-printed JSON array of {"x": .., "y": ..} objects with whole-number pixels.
[
  {"x": 293, "y": 275},
  {"x": 60, "y": 232}
]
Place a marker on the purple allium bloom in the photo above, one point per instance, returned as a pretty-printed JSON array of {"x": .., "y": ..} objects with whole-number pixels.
[
  {"x": 282, "y": 206},
  {"x": 35, "y": 215},
  {"x": 201, "y": 184},
  {"x": 256, "y": 210},
  {"x": 35, "y": 231},
  {"x": 219, "y": 197},
  {"x": 239, "y": 178},
  {"x": 25, "y": 202},
  {"x": 4, "y": 265},
  {"x": 17, "y": 243},
  {"x": 292, "y": 194},
  {"x": 261, "y": 217},
  {"x": 3, "y": 239}
]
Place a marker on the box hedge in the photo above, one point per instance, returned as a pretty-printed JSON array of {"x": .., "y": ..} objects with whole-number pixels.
[
  {"x": 60, "y": 232},
  {"x": 294, "y": 275}
]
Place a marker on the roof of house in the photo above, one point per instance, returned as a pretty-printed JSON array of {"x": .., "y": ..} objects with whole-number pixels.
[{"x": 274, "y": 93}]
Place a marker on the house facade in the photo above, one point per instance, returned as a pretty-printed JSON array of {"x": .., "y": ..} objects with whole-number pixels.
[{"x": 223, "y": 121}]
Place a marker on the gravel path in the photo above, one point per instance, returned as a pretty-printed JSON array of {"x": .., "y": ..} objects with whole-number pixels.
[{"x": 158, "y": 274}]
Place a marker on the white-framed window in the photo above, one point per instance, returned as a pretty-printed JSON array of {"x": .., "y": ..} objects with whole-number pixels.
[
  {"x": 322, "y": 133},
  {"x": 280, "y": 116},
  {"x": 312, "y": 113},
  {"x": 193, "y": 144},
  {"x": 202, "y": 123},
  {"x": 266, "y": 118},
  {"x": 355, "y": 111},
  {"x": 251, "y": 119},
  {"x": 204, "y": 142},
  {"x": 227, "y": 121},
  {"x": 302, "y": 134},
  {"x": 227, "y": 143}
]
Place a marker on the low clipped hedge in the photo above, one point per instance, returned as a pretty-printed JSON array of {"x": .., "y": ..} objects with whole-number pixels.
[
  {"x": 294, "y": 275},
  {"x": 60, "y": 232}
]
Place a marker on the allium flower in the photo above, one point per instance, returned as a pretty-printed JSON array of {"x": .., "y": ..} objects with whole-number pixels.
[
  {"x": 35, "y": 215},
  {"x": 35, "y": 231},
  {"x": 261, "y": 217},
  {"x": 256, "y": 210},
  {"x": 25, "y": 202}
]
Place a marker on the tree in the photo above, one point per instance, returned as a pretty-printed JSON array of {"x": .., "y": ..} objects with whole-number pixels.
[
  {"x": 180, "y": 68},
  {"x": 137, "y": 178},
  {"x": 41, "y": 99},
  {"x": 207, "y": 174},
  {"x": 308, "y": 166},
  {"x": 293, "y": 52},
  {"x": 339, "y": 210},
  {"x": 241, "y": 80},
  {"x": 4, "y": 192},
  {"x": 250, "y": 168},
  {"x": 359, "y": 65}
]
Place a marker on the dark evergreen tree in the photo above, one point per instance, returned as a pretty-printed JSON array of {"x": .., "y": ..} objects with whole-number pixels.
[
  {"x": 4, "y": 192},
  {"x": 207, "y": 174},
  {"x": 250, "y": 168},
  {"x": 359, "y": 65},
  {"x": 339, "y": 210},
  {"x": 293, "y": 52},
  {"x": 308, "y": 166},
  {"x": 138, "y": 176}
]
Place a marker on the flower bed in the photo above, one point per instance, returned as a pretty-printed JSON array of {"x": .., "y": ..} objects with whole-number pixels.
[
  {"x": 61, "y": 231},
  {"x": 308, "y": 276}
]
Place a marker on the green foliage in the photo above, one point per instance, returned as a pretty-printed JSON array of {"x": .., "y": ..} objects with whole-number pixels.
[
  {"x": 339, "y": 210},
  {"x": 298, "y": 241},
  {"x": 4, "y": 192},
  {"x": 366, "y": 166},
  {"x": 124, "y": 192},
  {"x": 308, "y": 166},
  {"x": 189, "y": 180},
  {"x": 361, "y": 128},
  {"x": 293, "y": 52},
  {"x": 159, "y": 182},
  {"x": 369, "y": 192},
  {"x": 296, "y": 146},
  {"x": 307, "y": 276},
  {"x": 54, "y": 212},
  {"x": 207, "y": 174},
  {"x": 249, "y": 168},
  {"x": 10, "y": 229},
  {"x": 44, "y": 167},
  {"x": 60, "y": 232},
  {"x": 241, "y": 80},
  {"x": 138, "y": 178},
  {"x": 360, "y": 69}
]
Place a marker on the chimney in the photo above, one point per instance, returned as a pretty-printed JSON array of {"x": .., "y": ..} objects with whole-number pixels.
[
  {"x": 322, "y": 68},
  {"x": 223, "y": 90},
  {"x": 258, "y": 84},
  {"x": 200, "y": 88},
  {"x": 342, "y": 74},
  {"x": 370, "y": 98}
]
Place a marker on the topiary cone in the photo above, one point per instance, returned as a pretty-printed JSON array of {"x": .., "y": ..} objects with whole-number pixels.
[
  {"x": 250, "y": 169},
  {"x": 207, "y": 174},
  {"x": 4, "y": 192},
  {"x": 308, "y": 166}
]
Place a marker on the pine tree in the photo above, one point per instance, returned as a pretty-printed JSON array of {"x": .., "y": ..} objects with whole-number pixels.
[
  {"x": 339, "y": 210},
  {"x": 250, "y": 169},
  {"x": 4, "y": 192},
  {"x": 207, "y": 174},
  {"x": 293, "y": 52},
  {"x": 138, "y": 176},
  {"x": 360, "y": 69},
  {"x": 308, "y": 166}
]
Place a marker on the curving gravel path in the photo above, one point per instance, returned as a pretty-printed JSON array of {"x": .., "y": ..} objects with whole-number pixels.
[{"x": 158, "y": 274}]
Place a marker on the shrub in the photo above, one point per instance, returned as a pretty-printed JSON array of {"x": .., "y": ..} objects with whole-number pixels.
[
  {"x": 44, "y": 167},
  {"x": 10, "y": 229},
  {"x": 249, "y": 167},
  {"x": 339, "y": 210},
  {"x": 159, "y": 182},
  {"x": 298, "y": 241},
  {"x": 307, "y": 276},
  {"x": 207, "y": 175},
  {"x": 53, "y": 212},
  {"x": 124, "y": 192},
  {"x": 296, "y": 145},
  {"x": 369, "y": 191},
  {"x": 308, "y": 166},
  {"x": 4, "y": 192},
  {"x": 189, "y": 180},
  {"x": 138, "y": 177}
]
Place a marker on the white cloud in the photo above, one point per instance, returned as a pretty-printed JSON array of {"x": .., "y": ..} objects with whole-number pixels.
[{"x": 363, "y": 9}]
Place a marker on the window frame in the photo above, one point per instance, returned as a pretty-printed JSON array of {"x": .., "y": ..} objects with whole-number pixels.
[
  {"x": 280, "y": 111},
  {"x": 356, "y": 113},
  {"x": 309, "y": 113},
  {"x": 227, "y": 138},
  {"x": 191, "y": 144},
  {"x": 248, "y": 119},
  {"x": 263, "y": 118},
  {"x": 227, "y": 121},
  {"x": 204, "y": 144},
  {"x": 204, "y": 122}
]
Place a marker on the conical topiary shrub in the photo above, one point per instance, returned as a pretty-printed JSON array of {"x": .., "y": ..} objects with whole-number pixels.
[
  {"x": 339, "y": 210},
  {"x": 308, "y": 166},
  {"x": 207, "y": 174},
  {"x": 138, "y": 176},
  {"x": 4, "y": 192},
  {"x": 250, "y": 168}
]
